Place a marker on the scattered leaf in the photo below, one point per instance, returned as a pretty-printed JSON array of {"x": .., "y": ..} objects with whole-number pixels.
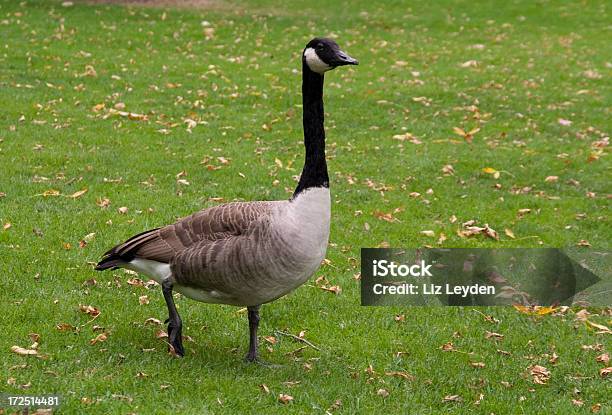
[
  {"x": 78, "y": 194},
  {"x": 540, "y": 374},
  {"x": 23, "y": 352},
  {"x": 382, "y": 392},
  {"x": 452, "y": 398},
  {"x": 99, "y": 338},
  {"x": 284, "y": 399}
]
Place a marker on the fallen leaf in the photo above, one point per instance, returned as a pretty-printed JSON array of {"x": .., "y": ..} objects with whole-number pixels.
[
  {"x": 553, "y": 359},
  {"x": 270, "y": 339},
  {"x": 602, "y": 329},
  {"x": 452, "y": 398},
  {"x": 603, "y": 358},
  {"x": 23, "y": 352},
  {"x": 493, "y": 335},
  {"x": 604, "y": 372},
  {"x": 284, "y": 399},
  {"x": 87, "y": 309},
  {"x": 448, "y": 347},
  {"x": 99, "y": 338},
  {"x": 509, "y": 233},
  {"x": 448, "y": 170},
  {"x": 382, "y": 392},
  {"x": 403, "y": 375},
  {"x": 65, "y": 327},
  {"x": 564, "y": 122},
  {"x": 78, "y": 194},
  {"x": 51, "y": 192},
  {"x": 478, "y": 365},
  {"x": 143, "y": 299},
  {"x": 540, "y": 374}
]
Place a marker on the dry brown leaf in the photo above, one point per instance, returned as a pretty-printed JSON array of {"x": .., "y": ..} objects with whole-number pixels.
[
  {"x": 78, "y": 194},
  {"x": 65, "y": 327},
  {"x": 452, "y": 398},
  {"x": 448, "y": 347},
  {"x": 553, "y": 358},
  {"x": 333, "y": 289},
  {"x": 270, "y": 339},
  {"x": 103, "y": 202},
  {"x": 478, "y": 365},
  {"x": 448, "y": 170},
  {"x": 23, "y": 352},
  {"x": 382, "y": 392},
  {"x": 602, "y": 329},
  {"x": 493, "y": 335},
  {"x": 284, "y": 399},
  {"x": 385, "y": 216},
  {"x": 403, "y": 375},
  {"x": 603, "y": 358},
  {"x": 582, "y": 315},
  {"x": 99, "y": 338},
  {"x": 604, "y": 372},
  {"x": 540, "y": 374},
  {"x": 87, "y": 309}
]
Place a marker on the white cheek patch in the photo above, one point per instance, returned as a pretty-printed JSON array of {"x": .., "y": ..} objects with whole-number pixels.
[{"x": 314, "y": 62}]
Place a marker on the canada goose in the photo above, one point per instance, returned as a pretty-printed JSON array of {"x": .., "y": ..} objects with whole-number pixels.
[{"x": 247, "y": 253}]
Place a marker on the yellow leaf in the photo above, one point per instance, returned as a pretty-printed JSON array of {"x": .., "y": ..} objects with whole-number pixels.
[
  {"x": 489, "y": 170},
  {"x": 603, "y": 329},
  {"x": 51, "y": 192},
  {"x": 459, "y": 131},
  {"x": 509, "y": 233},
  {"x": 78, "y": 194},
  {"x": 544, "y": 310}
]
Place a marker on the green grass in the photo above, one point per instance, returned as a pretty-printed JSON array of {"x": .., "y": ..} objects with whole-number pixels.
[{"x": 537, "y": 62}]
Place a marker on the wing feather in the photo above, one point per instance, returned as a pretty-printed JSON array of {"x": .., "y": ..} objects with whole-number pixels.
[{"x": 212, "y": 224}]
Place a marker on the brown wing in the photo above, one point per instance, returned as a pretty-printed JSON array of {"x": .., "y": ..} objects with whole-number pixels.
[{"x": 211, "y": 224}]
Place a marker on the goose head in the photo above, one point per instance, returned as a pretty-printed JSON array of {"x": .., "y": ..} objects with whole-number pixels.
[{"x": 322, "y": 55}]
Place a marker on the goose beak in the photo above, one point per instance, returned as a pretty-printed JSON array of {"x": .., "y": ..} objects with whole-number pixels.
[{"x": 342, "y": 58}]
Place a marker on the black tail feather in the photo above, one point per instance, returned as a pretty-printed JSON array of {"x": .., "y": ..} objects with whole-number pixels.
[
  {"x": 119, "y": 255},
  {"x": 109, "y": 263}
]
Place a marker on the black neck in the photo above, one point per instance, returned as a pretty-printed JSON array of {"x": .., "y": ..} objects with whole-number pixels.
[{"x": 314, "y": 173}]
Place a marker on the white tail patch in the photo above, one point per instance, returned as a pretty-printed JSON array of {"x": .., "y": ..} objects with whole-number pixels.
[{"x": 159, "y": 271}]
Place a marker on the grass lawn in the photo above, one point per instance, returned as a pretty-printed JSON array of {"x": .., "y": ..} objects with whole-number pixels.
[{"x": 213, "y": 96}]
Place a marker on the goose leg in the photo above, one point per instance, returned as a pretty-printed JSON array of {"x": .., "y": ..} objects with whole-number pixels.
[
  {"x": 253, "y": 325},
  {"x": 175, "y": 325}
]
